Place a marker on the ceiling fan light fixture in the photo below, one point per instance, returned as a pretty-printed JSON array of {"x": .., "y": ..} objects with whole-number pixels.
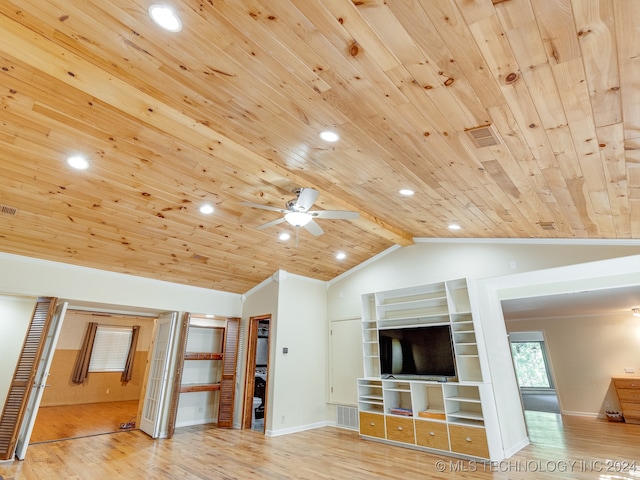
[
  {"x": 297, "y": 219},
  {"x": 165, "y": 17}
]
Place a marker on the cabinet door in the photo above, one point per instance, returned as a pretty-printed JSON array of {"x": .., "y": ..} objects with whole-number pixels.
[
  {"x": 372, "y": 424},
  {"x": 469, "y": 440},
  {"x": 432, "y": 434},
  {"x": 400, "y": 429}
]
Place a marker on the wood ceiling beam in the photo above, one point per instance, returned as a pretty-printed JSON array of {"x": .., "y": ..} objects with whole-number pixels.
[{"x": 66, "y": 66}]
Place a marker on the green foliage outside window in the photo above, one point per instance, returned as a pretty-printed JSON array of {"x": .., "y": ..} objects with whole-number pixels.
[{"x": 530, "y": 364}]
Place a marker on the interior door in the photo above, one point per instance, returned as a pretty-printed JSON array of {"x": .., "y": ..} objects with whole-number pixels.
[
  {"x": 158, "y": 378},
  {"x": 40, "y": 380},
  {"x": 24, "y": 376}
]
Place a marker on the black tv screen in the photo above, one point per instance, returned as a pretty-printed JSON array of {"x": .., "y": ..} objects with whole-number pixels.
[{"x": 425, "y": 351}]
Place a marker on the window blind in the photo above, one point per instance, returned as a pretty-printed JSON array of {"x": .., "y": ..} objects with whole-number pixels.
[{"x": 110, "y": 348}]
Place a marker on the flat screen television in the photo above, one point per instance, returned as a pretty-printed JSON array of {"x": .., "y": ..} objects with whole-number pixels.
[{"x": 424, "y": 352}]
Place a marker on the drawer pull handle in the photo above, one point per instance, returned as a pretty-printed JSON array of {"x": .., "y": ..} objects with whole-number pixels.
[
  {"x": 400, "y": 429},
  {"x": 468, "y": 439},
  {"x": 633, "y": 385},
  {"x": 372, "y": 424},
  {"x": 432, "y": 434}
]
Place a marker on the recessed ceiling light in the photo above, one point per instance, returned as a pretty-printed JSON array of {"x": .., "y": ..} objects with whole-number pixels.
[
  {"x": 78, "y": 162},
  {"x": 341, "y": 256},
  {"x": 454, "y": 226},
  {"x": 406, "y": 192},
  {"x": 284, "y": 236},
  {"x": 207, "y": 209},
  {"x": 165, "y": 17},
  {"x": 329, "y": 136}
]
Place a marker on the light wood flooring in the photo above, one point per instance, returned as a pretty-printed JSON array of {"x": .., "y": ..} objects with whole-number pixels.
[
  {"x": 73, "y": 421},
  {"x": 206, "y": 452}
]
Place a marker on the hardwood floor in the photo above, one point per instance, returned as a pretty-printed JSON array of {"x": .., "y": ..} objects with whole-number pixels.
[
  {"x": 72, "y": 421},
  {"x": 206, "y": 452}
]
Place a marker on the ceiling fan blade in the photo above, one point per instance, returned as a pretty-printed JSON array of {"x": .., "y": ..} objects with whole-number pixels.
[
  {"x": 335, "y": 214},
  {"x": 305, "y": 200},
  {"x": 313, "y": 228},
  {"x": 270, "y": 224},
  {"x": 264, "y": 207}
]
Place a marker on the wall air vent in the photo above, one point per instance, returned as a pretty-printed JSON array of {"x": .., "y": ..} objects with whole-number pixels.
[
  {"x": 482, "y": 136},
  {"x": 547, "y": 225},
  {"x": 7, "y": 210}
]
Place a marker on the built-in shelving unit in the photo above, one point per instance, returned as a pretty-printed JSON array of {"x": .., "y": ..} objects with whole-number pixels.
[{"x": 456, "y": 415}]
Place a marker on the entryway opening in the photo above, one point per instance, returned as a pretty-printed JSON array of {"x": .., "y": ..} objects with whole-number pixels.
[
  {"x": 533, "y": 372},
  {"x": 255, "y": 398}
]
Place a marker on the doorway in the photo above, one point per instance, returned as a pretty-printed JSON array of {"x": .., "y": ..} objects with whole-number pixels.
[
  {"x": 533, "y": 372},
  {"x": 256, "y": 376},
  {"x": 103, "y": 403}
]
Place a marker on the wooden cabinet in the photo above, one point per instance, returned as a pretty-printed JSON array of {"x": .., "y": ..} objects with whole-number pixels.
[
  {"x": 628, "y": 391},
  {"x": 400, "y": 429},
  {"x": 372, "y": 424},
  {"x": 468, "y": 440},
  {"x": 432, "y": 434},
  {"x": 451, "y": 415}
]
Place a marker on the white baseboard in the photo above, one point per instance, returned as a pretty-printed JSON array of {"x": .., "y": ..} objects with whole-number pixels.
[
  {"x": 516, "y": 448},
  {"x": 301, "y": 428},
  {"x": 195, "y": 422}
]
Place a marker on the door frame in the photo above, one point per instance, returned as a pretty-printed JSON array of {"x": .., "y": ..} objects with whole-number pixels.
[{"x": 250, "y": 369}]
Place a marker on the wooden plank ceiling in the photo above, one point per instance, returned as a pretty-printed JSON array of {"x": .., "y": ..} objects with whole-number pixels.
[{"x": 229, "y": 109}]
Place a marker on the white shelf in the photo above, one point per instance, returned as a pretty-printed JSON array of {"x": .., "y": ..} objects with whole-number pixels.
[{"x": 459, "y": 401}]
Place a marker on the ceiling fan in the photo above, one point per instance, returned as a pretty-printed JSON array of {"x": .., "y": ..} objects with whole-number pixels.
[{"x": 298, "y": 212}]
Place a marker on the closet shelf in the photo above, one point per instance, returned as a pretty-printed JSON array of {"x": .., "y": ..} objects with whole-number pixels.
[
  {"x": 199, "y": 387},
  {"x": 202, "y": 356}
]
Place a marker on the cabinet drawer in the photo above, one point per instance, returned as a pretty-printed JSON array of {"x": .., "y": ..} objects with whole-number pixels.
[
  {"x": 630, "y": 409},
  {"x": 432, "y": 434},
  {"x": 372, "y": 424},
  {"x": 400, "y": 429},
  {"x": 627, "y": 395},
  {"x": 469, "y": 440},
  {"x": 630, "y": 383}
]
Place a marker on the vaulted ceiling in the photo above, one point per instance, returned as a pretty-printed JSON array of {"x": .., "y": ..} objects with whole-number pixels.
[{"x": 510, "y": 118}]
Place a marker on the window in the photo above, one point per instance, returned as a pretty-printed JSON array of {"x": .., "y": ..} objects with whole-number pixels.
[
  {"x": 110, "y": 349},
  {"x": 530, "y": 363}
]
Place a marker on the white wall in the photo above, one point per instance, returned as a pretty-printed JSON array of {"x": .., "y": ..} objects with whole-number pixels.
[
  {"x": 299, "y": 383},
  {"x": 34, "y": 277},
  {"x": 262, "y": 300},
  {"x": 15, "y": 315}
]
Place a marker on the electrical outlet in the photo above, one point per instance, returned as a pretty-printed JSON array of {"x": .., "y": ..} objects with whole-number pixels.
[
  {"x": 607, "y": 404},
  {"x": 629, "y": 370},
  {"x": 282, "y": 419},
  {"x": 200, "y": 410}
]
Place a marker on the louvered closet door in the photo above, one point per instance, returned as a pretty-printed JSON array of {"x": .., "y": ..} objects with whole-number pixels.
[
  {"x": 23, "y": 378},
  {"x": 228, "y": 383}
]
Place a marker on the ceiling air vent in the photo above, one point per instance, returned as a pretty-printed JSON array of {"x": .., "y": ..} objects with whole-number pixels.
[
  {"x": 7, "y": 210},
  {"x": 483, "y": 136},
  {"x": 547, "y": 225},
  {"x": 199, "y": 258}
]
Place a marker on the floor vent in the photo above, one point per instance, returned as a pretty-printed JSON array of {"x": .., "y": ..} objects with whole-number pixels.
[
  {"x": 7, "y": 210},
  {"x": 547, "y": 225},
  {"x": 483, "y": 136},
  {"x": 346, "y": 417}
]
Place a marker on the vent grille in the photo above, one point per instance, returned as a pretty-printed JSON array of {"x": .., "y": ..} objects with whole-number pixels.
[
  {"x": 347, "y": 417},
  {"x": 7, "y": 210},
  {"x": 547, "y": 225},
  {"x": 199, "y": 258},
  {"x": 483, "y": 136}
]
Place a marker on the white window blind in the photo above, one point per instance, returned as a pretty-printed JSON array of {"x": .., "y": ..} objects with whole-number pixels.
[{"x": 110, "y": 348}]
